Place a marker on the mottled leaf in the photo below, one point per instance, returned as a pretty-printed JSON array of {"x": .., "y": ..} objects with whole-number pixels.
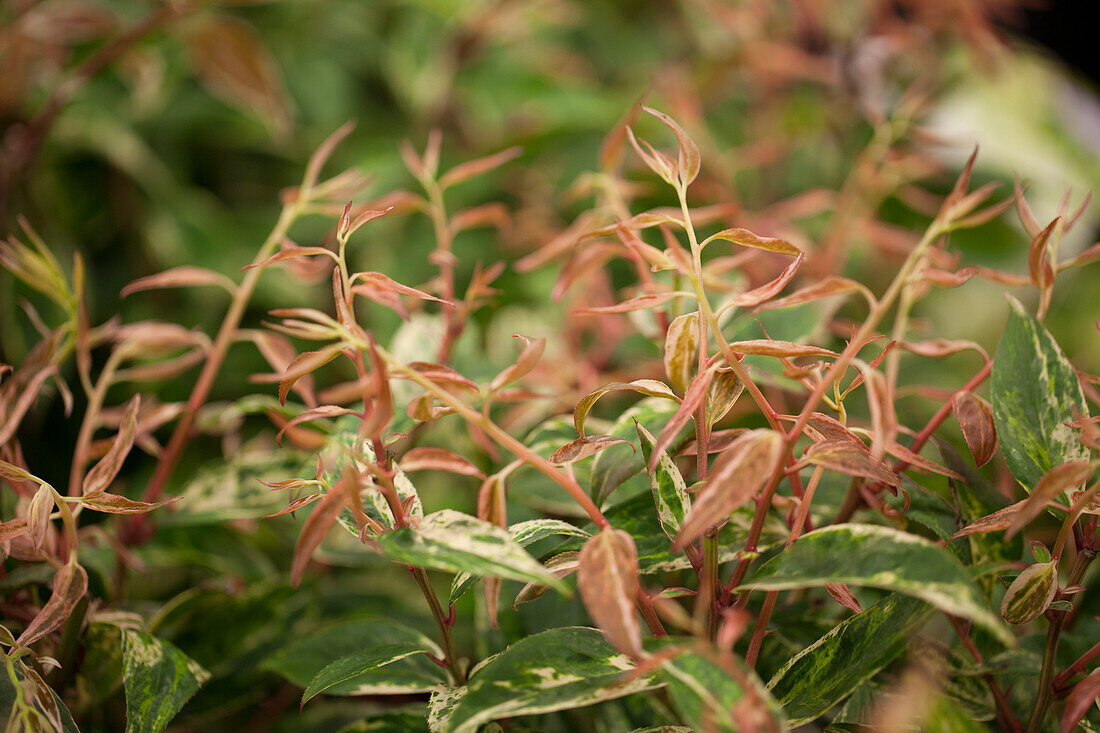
[
  {"x": 745, "y": 238},
  {"x": 642, "y": 302},
  {"x": 101, "y": 501},
  {"x": 718, "y": 693},
  {"x": 1030, "y": 593},
  {"x": 586, "y": 447},
  {"x": 769, "y": 347},
  {"x": 159, "y": 679},
  {"x": 826, "y": 672},
  {"x": 668, "y": 486},
  {"x": 879, "y": 557},
  {"x": 1035, "y": 394},
  {"x": 359, "y": 663}
]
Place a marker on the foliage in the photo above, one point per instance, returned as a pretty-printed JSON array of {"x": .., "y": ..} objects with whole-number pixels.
[{"x": 709, "y": 422}]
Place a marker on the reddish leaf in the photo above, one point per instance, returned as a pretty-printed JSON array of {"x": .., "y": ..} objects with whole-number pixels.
[
  {"x": 1055, "y": 481},
  {"x": 642, "y": 302},
  {"x": 291, "y": 253},
  {"x": 693, "y": 399},
  {"x": 607, "y": 577},
  {"x": 738, "y": 475},
  {"x": 104, "y": 472},
  {"x": 769, "y": 290},
  {"x": 585, "y": 447},
  {"x": 658, "y": 162},
  {"x": 179, "y": 277},
  {"x": 918, "y": 461},
  {"x": 442, "y": 375},
  {"x": 379, "y": 281},
  {"x": 70, "y": 582},
  {"x": 559, "y": 566},
  {"x": 528, "y": 357},
  {"x": 13, "y": 473},
  {"x": 1038, "y": 259},
  {"x": 27, "y": 396},
  {"x": 101, "y": 501},
  {"x": 381, "y": 411},
  {"x": 975, "y": 417},
  {"x": 941, "y": 348},
  {"x": 722, "y": 394},
  {"x": 648, "y": 387},
  {"x": 1080, "y": 699},
  {"x": 438, "y": 459},
  {"x": 295, "y": 505},
  {"x": 832, "y": 429},
  {"x": 745, "y": 238},
  {"x": 315, "y": 413},
  {"x": 995, "y": 522},
  {"x": 318, "y": 524},
  {"x": 842, "y": 594},
  {"x": 38, "y": 516},
  {"x": 688, "y": 159},
  {"x": 843, "y": 456},
  {"x": 477, "y": 167},
  {"x": 825, "y": 288},
  {"x": 13, "y": 528},
  {"x": 304, "y": 364},
  {"x": 231, "y": 60},
  {"x": 769, "y": 347}
]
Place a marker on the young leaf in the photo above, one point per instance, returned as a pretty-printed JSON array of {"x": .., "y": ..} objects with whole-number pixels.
[
  {"x": 179, "y": 277},
  {"x": 642, "y": 302},
  {"x": 848, "y": 458},
  {"x": 668, "y": 486},
  {"x": 1080, "y": 699},
  {"x": 438, "y": 459},
  {"x": 826, "y": 288},
  {"x": 38, "y": 516},
  {"x": 995, "y": 522},
  {"x": 879, "y": 557},
  {"x": 586, "y": 447},
  {"x": 607, "y": 577},
  {"x": 769, "y": 347},
  {"x": 682, "y": 350},
  {"x": 650, "y": 387},
  {"x": 738, "y": 475},
  {"x": 456, "y": 542},
  {"x": 528, "y": 358},
  {"x": 827, "y": 671},
  {"x": 561, "y": 565},
  {"x": 756, "y": 296},
  {"x": 1054, "y": 483},
  {"x": 975, "y": 417},
  {"x": 688, "y": 159},
  {"x": 722, "y": 394},
  {"x": 303, "y": 364},
  {"x": 477, "y": 167},
  {"x": 159, "y": 679},
  {"x": 70, "y": 583},
  {"x": 745, "y": 238},
  {"x": 693, "y": 398},
  {"x": 101, "y": 501},
  {"x": 1035, "y": 394},
  {"x": 104, "y": 472},
  {"x": 559, "y": 669},
  {"x": 1030, "y": 593},
  {"x": 317, "y": 526}
]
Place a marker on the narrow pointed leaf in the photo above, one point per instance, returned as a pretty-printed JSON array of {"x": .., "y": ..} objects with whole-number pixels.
[
  {"x": 528, "y": 358},
  {"x": 745, "y": 238},
  {"x": 1035, "y": 394},
  {"x": 650, "y": 387},
  {"x": 693, "y": 399},
  {"x": 768, "y": 290},
  {"x": 359, "y": 663},
  {"x": 848, "y": 458},
  {"x": 768, "y": 347},
  {"x": 586, "y": 447},
  {"x": 879, "y": 557},
  {"x": 101, "y": 501},
  {"x": 304, "y": 364},
  {"x": 561, "y": 565},
  {"x": 712, "y": 693},
  {"x": 478, "y": 166},
  {"x": 70, "y": 583},
  {"x": 642, "y": 302},
  {"x": 1053, "y": 484},
  {"x": 607, "y": 577},
  {"x": 104, "y": 472},
  {"x": 292, "y": 252},
  {"x": 827, "y": 671},
  {"x": 316, "y": 527},
  {"x": 438, "y": 459},
  {"x": 668, "y": 486},
  {"x": 1080, "y": 699},
  {"x": 688, "y": 158}
]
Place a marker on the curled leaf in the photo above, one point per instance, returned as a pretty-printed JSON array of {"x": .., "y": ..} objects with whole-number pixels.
[
  {"x": 104, "y": 472},
  {"x": 682, "y": 350},
  {"x": 70, "y": 583},
  {"x": 648, "y": 387},
  {"x": 586, "y": 447},
  {"x": 303, "y": 364},
  {"x": 101, "y": 501},
  {"x": 688, "y": 158}
]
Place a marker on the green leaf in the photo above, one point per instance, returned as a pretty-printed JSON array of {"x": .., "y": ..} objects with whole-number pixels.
[
  {"x": 359, "y": 663},
  {"x": 304, "y": 658},
  {"x": 879, "y": 557},
  {"x": 559, "y": 669},
  {"x": 456, "y": 542},
  {"x": 668, "y": 486},
  {"x": 831, "y": 668},
  {"x": 704, "y": 692},
  {"x": 159, "y": 679},
  {"x": 618, "y": 463},
  {"x": 1035, "y": 393},
  {"x": 524, "y": 534}
]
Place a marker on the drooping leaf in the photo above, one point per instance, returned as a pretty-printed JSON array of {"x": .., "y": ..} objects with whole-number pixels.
[
  {"x": 303, "y": 658},
  {"x": 70, "y": 583},
  {"x": 669, "y": 488},
  {"x": 104, "y": 472},
  {"x": 718, "y": 693},
  {"x": 607, "y": 577},
  {"x": 159, "y": 679},
  {"x": 179, "y": 277},
  {"x": 826, "y": 672},
  {"x": 456, "y": 542},
  {"x": 101, "y": 501},
  {"x": 359, "y": 663},
  {"x": 1053, "y": 484},
  {"x": 745, "y": 238},
  {"x": 879, "y": 557},
  {"x": 559, "y": 669},
  {"x": 851, "y": 459},
  {"x": 1035, "y": 394}
]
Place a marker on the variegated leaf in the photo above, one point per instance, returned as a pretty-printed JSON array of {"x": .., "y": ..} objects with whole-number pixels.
[{"x": 669, "y": 488}]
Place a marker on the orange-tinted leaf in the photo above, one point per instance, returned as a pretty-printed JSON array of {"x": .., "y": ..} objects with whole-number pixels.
[
  {"x": 13, "y": 528},
  {"x": 295, "y": 505},
  {"x": 745, "y": 238},
  {"x": 607, "y": 577},
  {"x": 478, "y": 166},
  {"x": 941, "y": 348},
  {"x": 438, "y": 459},
  {"x": 642, "y": 302},
  {"x": 1038, "y": 258},
  {"x": 366, "y": 215},
  {"x": 442, "y": 375},
  {"x": 688, "y": 159},
  {"x": 843, "y": 456},
  {"x": 559, "y": 566},
  {"x": 648, "y": 387},
  {"x": 832, "y": 429},
  {"x": 292, "y": 252},
  {"x": 384, "y": 282},
  {"x": 493, "y": 214},
  {"x": 756, "y": 296},
  {"x": 769, "y": 347},
  {"x": 585, "y": 447},
  {"x": 38, "y": 516},
  {"x": 1078, "y": 702},
  {"x": 232, "y": 62},
  {"x": 381, "y": 410},
  {"x": 528, "y": 358},
  {"x": 738, "y": 475},
  {"x": 13, "y": 473},
  {"x": 826, "y": 288},
  {"x": 843, "y": 595},
  {"x": 304, "y": 364},
  {"x": 918, "y": 461},
  {"x": 722, "y": 394},
  {"x": 101, "y": 501},
  {"x": 693, "y": 399},
  {"x": 318, "y": 524},
  {"x": 179, "y": 277},
  {"x": 658, "y": 162},
  {"x": 995, "y": 522},
  {"x": 682, "y": 350},
  {"x": 975, "y": 417},
  {"x": 27, "y": 396},
  {"x": 104, "y": 472},
  {"x": 1055, "y": 481},
  {"x": 70, "y": 582}
]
